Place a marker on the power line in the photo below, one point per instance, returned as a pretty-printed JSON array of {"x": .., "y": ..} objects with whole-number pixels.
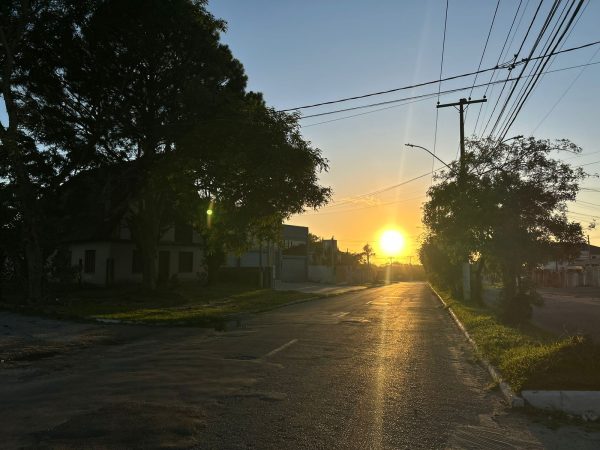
[
  {"x": 536, "y": 66},
  {"x": 564, "y": 93},
  {"x": 454, "y": 77},
  {"x": 553, "y": 60},
  {"x": 498, "y": 61},
  {"x": 439, "y": 88},
  {"x": 367, "y": 207},
  {"x": 423, "y": 97},
  {"x": 543, "y": 64},
  {"x": 529, "y": 59},
  {"x": 588, "y": 164},
  {"x": 367, "y": 112},
  {"x": 582, "y": 155},
  {"x": 485, "y": 46}
]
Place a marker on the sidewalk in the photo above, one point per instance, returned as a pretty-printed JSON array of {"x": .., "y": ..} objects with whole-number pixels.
[{"x": 316, "y": 288}]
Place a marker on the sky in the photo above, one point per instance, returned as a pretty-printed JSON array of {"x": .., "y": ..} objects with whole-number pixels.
[{"x": 299, "y": 52}]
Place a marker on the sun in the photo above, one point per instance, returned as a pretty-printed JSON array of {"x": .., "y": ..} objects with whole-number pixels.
[{"x": 391, "y": 242}]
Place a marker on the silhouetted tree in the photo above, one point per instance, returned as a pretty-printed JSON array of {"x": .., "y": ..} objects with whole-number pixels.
[
  {"x": 31, "y": 34},
  {"x": 368, "y": 253},
  {"x": 508, "y": 211},
  {"x": 149, "y": 82}
]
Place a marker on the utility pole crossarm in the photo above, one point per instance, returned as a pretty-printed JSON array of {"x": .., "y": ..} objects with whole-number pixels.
[
  {"x": 461, "y": 109},
  {"x": 462, "y": 101}
]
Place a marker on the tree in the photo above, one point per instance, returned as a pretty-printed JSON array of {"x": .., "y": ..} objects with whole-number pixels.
[
  {"x": 32, "y": 168},
  {"x": 149, "y": 83},
  {"x": 368, "y": 253},
  {"x": 256, "y": 171},
  {"x": 507, "y": 212}
]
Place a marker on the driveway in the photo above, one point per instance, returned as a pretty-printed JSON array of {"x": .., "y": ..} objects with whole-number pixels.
[
  {"x": 380, "y": 368},
  {"x": 568, "y": 311}
]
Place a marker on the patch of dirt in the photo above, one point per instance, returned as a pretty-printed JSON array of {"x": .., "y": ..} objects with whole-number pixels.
[
  {"x": 127, "y": 426},
  {"x": 15, "y": 349}
]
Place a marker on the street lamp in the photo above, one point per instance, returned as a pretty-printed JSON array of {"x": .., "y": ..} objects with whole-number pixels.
[
  {"x": 423, "y": 148},
  {"x": 518, "y": 136}
]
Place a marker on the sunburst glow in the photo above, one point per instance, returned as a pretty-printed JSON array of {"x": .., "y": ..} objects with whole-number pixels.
[{"x": 391, "y": 242}]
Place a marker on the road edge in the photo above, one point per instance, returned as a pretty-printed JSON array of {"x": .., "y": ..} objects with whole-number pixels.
[
  {"x": 514, "y": 400},
  {"x": 310, "y": 299}
]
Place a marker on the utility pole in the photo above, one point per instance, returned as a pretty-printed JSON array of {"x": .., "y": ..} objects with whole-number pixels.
[
  {"x": 466, "y": 268},
  {"x": 461, "y": 109}
]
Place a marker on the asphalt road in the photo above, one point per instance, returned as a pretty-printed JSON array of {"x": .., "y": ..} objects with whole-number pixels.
[{"x": 381, "y": 368}]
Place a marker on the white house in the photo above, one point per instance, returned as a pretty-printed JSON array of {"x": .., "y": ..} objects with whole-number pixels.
[{"x": 115, "y": 259}]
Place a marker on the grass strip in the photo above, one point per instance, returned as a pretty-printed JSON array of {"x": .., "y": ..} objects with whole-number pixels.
[
  {"x": 527, "y": 357},
  {"x": 182, "y": 305}
]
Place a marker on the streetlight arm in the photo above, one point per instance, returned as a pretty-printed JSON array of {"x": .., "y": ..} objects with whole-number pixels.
[{"x": 423, "y": 148}]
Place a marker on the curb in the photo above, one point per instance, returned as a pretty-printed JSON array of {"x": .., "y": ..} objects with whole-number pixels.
[
  {"x": 585, "y": 404},
  {"x": 309, "y": 299},
  {"x": 513, "y": 399}
]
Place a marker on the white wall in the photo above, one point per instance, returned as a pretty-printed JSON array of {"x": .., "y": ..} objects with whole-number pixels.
[
  {"x": 102, "y": 253},
  {"x": 122, "y": 255},
  {"x": 321, "y": 274}
]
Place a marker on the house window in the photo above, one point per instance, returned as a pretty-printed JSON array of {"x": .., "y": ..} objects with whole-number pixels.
[
  {"x": 89, "y": 265},
  {"x": 136, "y": 262},
  {"x": 186, "y": 262}
]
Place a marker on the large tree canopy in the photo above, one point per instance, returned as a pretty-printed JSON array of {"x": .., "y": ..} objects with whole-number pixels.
[
  {"x": 147, "y": 85},
  {"x": 508, "y": 211}
]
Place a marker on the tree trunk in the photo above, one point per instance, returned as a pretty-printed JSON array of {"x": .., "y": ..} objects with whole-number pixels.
[
  {"x": 35, "y": 265},
  {"x": 145, "y": 225},
  {"x": 149, "y": 272},
  {"x": 477, "y": 283},
  {"x": 145, "y": 232}
]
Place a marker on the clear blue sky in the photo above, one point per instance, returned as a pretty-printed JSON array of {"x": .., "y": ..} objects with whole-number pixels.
[{"x": 300, "y": 52}]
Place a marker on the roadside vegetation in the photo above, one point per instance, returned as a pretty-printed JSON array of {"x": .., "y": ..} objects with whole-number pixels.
[
  {"x": 503, "y": 211},
  {"x": 187, "y": 304},
  {"x": 527, "y": 357}
]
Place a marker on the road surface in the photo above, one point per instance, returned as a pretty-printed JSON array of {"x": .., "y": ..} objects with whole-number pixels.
[{"x": 381, "y": 368}]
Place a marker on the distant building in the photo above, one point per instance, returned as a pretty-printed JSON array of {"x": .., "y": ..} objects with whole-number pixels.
[
  {"x": 288, "y": 258},
  {"x": 583, "y": 270}
]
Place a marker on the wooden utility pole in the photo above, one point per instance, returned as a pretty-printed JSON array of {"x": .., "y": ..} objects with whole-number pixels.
[
  {"x": 461, "y": 109},
  {"x": 466, "y": 268}
]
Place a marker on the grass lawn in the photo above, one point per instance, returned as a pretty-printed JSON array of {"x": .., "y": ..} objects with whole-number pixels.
[
  {"x": 186, "y": 304},
  {"x": 527, "y": 357}
]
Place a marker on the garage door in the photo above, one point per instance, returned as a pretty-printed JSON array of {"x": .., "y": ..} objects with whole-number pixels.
[{"x": 293, "y": 268}]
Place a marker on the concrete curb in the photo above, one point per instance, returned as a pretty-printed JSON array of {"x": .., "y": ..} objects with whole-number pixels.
[
  {"x": 513, "y": 399},
  {"x": 585, "y": 404}
]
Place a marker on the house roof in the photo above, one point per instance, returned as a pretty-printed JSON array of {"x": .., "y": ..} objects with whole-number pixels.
[
  {"x": 594, "y": 249},
  {"x": 92, "y": 203}
]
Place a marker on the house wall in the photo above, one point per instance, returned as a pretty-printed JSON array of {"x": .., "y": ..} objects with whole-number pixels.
[
  {"x": 98, "y": 277},
  {"x": 321, "y": 274},
  {"x": 174, "y": 261},
  {"x": 121, "y": 254},
  {"x": 251, "y": 258}
]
